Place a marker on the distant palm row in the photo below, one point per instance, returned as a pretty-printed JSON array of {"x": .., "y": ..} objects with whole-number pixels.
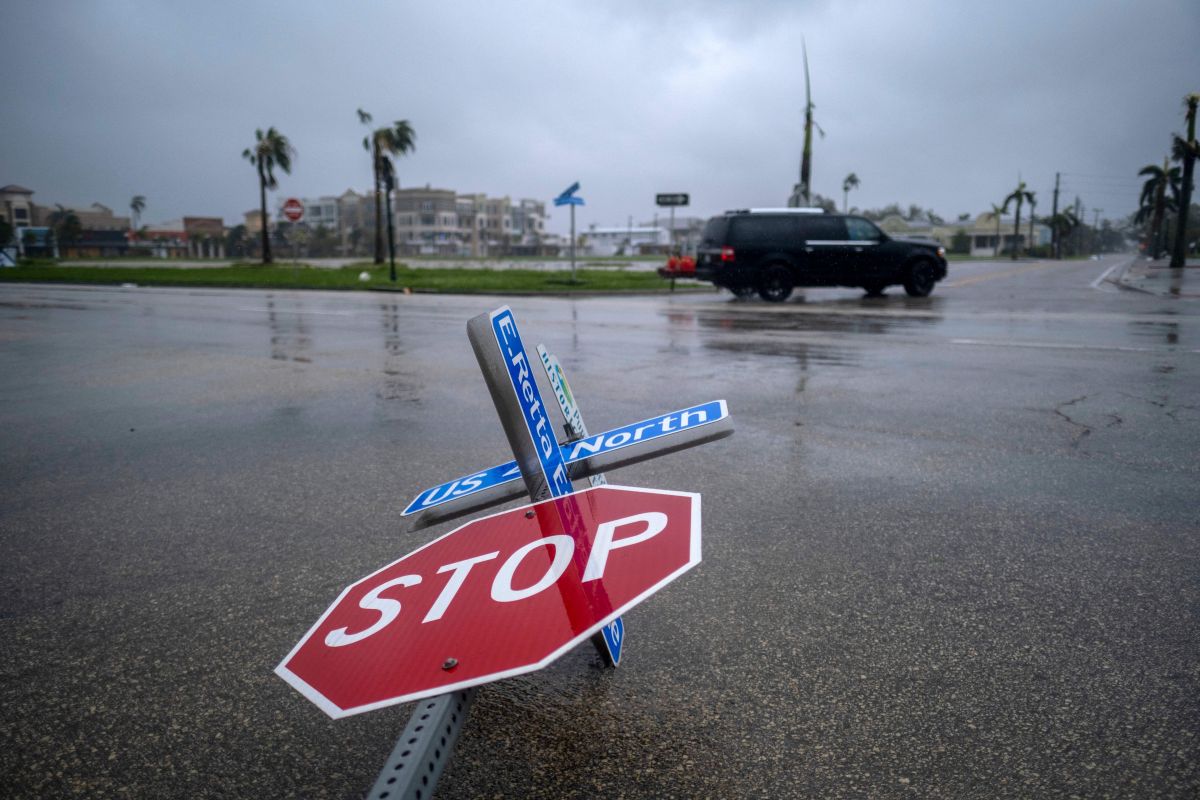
[{"x": 272, "y": 149}]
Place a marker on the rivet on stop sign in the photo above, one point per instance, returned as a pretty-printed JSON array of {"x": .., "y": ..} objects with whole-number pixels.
[{"x": 449, "y": 664}]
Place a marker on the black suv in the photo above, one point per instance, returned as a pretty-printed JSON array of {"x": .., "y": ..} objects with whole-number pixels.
[{"x": 773, "y": 250}]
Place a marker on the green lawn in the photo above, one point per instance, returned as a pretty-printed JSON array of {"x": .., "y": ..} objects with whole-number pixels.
[{"x": 287, "y": 276}]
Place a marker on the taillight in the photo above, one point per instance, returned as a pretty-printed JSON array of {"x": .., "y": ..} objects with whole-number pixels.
[{"x": 727, "y": 254}]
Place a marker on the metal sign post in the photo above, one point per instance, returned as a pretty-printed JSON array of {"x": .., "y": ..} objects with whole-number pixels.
[
  {"x": 663, "y": 524},
  {"x": 672, "y": 200},
  {"x": 567, "y": 198}
]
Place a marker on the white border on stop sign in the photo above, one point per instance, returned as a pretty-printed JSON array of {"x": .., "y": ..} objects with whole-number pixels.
[{"x": 336, "y": 712}]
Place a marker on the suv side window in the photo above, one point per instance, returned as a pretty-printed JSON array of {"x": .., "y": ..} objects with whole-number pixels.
[
  {"x": 823, "y": 228},
  {"x": 756, "y": 230},
  {"x": 863, "y": 230}
]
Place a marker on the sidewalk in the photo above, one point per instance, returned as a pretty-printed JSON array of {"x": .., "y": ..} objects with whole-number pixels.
[{"x": 1156, "y": 277}]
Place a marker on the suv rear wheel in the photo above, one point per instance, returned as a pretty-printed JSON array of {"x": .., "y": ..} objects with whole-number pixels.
[
  {"x": 775, "y": 286},
  {"x": 920, "y": 280}
]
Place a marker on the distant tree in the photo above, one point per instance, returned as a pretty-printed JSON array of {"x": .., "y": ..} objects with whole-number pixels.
[
  {"x": 236, "y": 241},
  {"x": 271, "y": 149},
  {"x": 397, "y": 140},
  {"x": 997, "y": 210},
  {"x": 6, "y": 232},
  {"x": 136, "y": 205},
  {"x": 1159, "y": 194},
  {"x": 824, "y": 202},
  {"x": 65, "y": 226},
  {"x": 1185, "y": 150},
  {"x": 961, "y": 243},
  {"x": 323, "y": 242},
  {"x": 1019, "y": 195},
  {"x": 1032, "y": 218},
  {"x": 1063, "y": 224},
  {"x": 851, "y": 182}
]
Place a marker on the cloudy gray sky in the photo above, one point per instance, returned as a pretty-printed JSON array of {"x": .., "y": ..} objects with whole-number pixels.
[{"x": 942, "y": 103}]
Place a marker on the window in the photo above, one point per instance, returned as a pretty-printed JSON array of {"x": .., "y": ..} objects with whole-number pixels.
[
  {"x": 763, "y": 230},
  {"x": 822, "y": 228},
  {"x": 21, "y": 214},
  {"x": 863, "y": 230}
]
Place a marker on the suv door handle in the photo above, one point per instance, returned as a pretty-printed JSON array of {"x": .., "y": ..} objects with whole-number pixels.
[{"x": 808, "y": 249}]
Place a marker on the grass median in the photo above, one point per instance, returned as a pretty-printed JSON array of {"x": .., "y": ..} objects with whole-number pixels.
[{"x": 288, "y": 276}]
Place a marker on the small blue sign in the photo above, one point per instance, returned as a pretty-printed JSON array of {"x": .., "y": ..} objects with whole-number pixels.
[
  {"x": 567, "y": 198},
  {"x": 529, "y": 398},
  {"x": 573, "y": 452},
  {"x": 614, "y": 637}
]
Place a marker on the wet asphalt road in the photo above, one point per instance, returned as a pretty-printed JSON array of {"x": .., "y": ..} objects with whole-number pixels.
[{"x": 951, "y": 551}]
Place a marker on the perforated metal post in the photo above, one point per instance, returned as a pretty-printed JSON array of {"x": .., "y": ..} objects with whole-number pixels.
[{"x": 421, "y": 754}]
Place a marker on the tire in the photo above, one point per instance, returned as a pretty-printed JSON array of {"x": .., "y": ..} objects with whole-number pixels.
[
  {"x": 874, "y": 289},
  {"x": 775, "y": 285},
  {"x": 920, "y": 279}
]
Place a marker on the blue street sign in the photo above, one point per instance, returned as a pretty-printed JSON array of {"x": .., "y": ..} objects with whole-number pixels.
[
  {"x": 537, "y": 418},
  {"x": 567, "y": 198},
  {"x": 600, "y": 444}
]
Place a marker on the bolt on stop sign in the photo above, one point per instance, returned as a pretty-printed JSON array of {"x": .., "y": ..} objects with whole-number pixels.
[{"x": 497, "y": 597}]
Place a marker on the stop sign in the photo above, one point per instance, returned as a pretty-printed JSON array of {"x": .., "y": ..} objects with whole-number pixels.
[
  {"x": 293, "y": 209},
  {"x": 497, "y": 597}
]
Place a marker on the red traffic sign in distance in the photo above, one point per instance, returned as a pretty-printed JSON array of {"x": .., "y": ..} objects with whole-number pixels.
[
  {"x": 497, "y": 597},
  {"x": 293, "y": 209}
]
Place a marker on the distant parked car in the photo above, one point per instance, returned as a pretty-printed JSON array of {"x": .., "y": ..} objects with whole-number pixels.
[{"x": 771, "y": 251}]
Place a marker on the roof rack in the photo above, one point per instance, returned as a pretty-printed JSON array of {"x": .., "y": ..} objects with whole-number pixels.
[{"x": 809, "y": 210}]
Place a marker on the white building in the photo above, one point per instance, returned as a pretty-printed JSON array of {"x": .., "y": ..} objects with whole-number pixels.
[
  {"x": 317, "y": 211},
  {"x": 624, "y": 241}
]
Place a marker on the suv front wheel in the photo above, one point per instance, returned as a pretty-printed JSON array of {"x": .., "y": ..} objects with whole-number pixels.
[
  {"x": 920, "y": 280},
  {"x": 775, "y": 286}
]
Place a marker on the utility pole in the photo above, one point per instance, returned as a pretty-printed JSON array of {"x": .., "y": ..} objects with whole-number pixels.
[
  {"x": 1055, "y": 244},
  {"x": 1082, "y": 223}
]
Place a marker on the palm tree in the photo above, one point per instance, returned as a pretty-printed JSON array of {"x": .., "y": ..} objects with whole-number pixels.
[
  {"x": 1155, "y": 202},
  {"x": 136, "y": 205},
  {"x": 65, "y": 224},
  {"x": 396, "y": 140},
  {"x": 1019, "y": 196},
  {"x": 1185, "y": 150},
  {"x": 996, "y": 212},
  {"x": 1032, "y": 218},
  {"x": 271, "y": 149},
  {"x": 851, "y": 182},
  {"x": 1062, "y": 223}
]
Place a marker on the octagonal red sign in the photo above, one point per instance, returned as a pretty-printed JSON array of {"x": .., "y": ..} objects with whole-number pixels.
[
  {"x": 293, "y": 209},
  {"x": 497, "y": 597}
]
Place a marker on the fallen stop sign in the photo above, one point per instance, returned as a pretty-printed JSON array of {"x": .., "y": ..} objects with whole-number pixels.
[{"x": 497, "y": 597}]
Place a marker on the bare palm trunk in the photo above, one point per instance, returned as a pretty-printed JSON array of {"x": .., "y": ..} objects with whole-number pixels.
[
  {"x": 378, "y": 208},
  {"x": 1017, "y": 232},
  {"x": 262, "y": 198},
  {"x": 1179, "y": 256},
  {"x": 1157, "y": 223}
]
